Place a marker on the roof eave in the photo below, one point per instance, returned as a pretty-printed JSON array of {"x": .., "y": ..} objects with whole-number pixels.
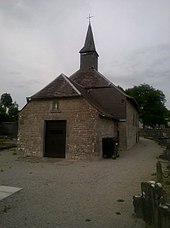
[
  {"x": 50, "y": 98},
  {"x": 108, "y": 116}
]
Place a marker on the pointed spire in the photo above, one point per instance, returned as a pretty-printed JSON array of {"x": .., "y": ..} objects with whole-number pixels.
[
  {"x": 88, "y": 54},
  {"x": 89, "y": 41}
]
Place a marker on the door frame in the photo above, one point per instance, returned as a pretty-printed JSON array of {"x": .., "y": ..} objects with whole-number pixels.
[{"x": 45, "y": 135}]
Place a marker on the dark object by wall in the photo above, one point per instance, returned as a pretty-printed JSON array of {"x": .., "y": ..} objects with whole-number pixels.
[{"x": 110, "y": 147}]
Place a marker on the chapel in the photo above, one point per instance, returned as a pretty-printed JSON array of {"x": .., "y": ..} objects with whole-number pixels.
[{"x": 71, "y": 116}]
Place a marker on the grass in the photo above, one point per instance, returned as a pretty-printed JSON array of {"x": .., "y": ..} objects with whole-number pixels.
[
  {"x": 4, "y": 139},
  {"x": 167, "y": 190},
  {"x": 166, "y": 187},
  {"x": 167, "y": 182}
]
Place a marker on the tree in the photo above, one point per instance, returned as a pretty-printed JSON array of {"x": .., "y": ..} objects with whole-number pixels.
[
  {"x": 6, "y": 100},
  {"x": 8, "y": 109},
  {"x": 3, "y": 114},
  {"x": 13, "y": 112},
  {"x": 151, "y": 103}
]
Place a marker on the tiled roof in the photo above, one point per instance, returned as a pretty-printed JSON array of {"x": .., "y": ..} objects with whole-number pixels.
[
  {"x": 103, "y": 90},
  {"x": 94, "y": 87},
  {"x": 107, "y": 100},
  {"x": 91, "y": 78},
  {"x": 60, "y": 87},
  {"x": 110, "y": 100}
]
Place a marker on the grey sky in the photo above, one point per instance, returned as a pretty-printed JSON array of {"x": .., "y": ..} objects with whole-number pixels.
[{"x": 41, "y": 39}]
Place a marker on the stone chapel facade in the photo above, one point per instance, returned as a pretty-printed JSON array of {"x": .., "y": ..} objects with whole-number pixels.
[{"x": 70, "y": 117}]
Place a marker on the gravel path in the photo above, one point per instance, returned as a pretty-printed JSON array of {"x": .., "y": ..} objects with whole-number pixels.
[{"x": 62, "y": 193}]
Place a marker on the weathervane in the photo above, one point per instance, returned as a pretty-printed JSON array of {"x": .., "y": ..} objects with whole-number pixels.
[{"x": 89, "y": 17}]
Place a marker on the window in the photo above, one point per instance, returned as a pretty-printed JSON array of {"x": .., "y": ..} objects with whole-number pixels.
[{"x": 55, "y": 106}]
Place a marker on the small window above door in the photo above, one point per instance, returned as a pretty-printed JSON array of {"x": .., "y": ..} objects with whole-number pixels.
[{"x": 55, "y": 106}]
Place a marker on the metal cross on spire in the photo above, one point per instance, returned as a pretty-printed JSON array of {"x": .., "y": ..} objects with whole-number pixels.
[{"x": 89, "y": 17}]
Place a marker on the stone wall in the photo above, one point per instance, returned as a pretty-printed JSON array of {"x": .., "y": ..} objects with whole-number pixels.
[
  {"x": 122, "y": 136},
  {"x": 84, "y": 127},
  {"x": 128, "y": 128},
  {"x": 106, "y": 128},
  {"x": 132, "y": 125},
  {"x": 155, "y": 133},
  {"x": 80, "y": 126},
  {"x": 152, "y": 205}
]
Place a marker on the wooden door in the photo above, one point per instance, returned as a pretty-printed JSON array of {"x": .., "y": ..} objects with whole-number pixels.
[{"x": 55, "y": 139}]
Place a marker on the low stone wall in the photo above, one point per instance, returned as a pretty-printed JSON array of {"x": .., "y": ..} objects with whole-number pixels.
[
  {"x": 163, "y": 171},
  {"x": 155, "y": 133},
  {"x": 9, "y": 128},
  {"x": 152, "y": 206}
]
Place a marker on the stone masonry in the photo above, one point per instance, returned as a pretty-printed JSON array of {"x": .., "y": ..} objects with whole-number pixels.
[{"x": 84, "y": 128}]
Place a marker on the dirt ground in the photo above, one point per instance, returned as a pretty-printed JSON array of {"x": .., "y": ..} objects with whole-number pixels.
[{"x": 73, "y": 194}]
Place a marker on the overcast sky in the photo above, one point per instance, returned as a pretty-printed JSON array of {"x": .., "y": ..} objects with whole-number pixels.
[{"x": 41, "y": 39}]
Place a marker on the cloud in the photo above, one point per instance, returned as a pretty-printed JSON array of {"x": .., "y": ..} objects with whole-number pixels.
[
  {"x": 150, "y": 66},
  {"x": 40, "y": 39}
]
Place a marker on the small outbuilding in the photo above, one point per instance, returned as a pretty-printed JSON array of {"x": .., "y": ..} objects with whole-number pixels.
[{"x": 71, "y": 116}]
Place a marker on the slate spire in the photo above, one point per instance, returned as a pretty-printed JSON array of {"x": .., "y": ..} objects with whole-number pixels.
[{"x": 88, "y": 54}]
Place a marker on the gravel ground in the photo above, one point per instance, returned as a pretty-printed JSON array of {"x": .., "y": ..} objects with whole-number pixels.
[{"x": 65, "y": 193}]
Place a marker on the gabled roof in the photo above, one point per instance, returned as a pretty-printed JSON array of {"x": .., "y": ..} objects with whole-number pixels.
[
  {"x": 107, "y": 99},
  {"x": 89, "y": 45},
  {"x": 99, "y": 85},
  {"x": 60, "y": 87}
]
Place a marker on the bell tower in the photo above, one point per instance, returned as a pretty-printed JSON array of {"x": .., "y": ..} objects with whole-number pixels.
[{"x": 88, "y": 54}]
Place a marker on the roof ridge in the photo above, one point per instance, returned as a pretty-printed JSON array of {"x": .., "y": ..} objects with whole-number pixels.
[
  {"x": 59, "y": 87},
  {"x": 45, "y": 87},
  {"x": 122, "y": 92},
  {"x": 103, "y": 77},
  {"x": 70, "y": 83},
  {"x": 74, "y": 73},
  {"x": 111, "y": 83}
]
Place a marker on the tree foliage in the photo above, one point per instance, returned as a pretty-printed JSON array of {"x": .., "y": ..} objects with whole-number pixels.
[
  {"x": 168, "y": 114},
  {"x": 151, "y": 103},
  {"x": 8, "y": 108},
  {"x": 6, "y": 100}
]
